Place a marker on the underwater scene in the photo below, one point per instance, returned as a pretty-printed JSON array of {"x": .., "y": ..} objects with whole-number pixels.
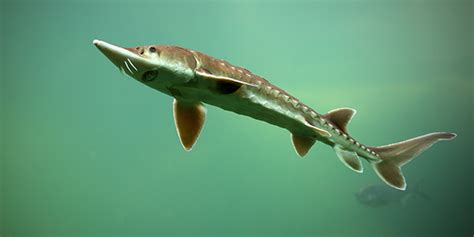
[{"x": 89, "y": 148}]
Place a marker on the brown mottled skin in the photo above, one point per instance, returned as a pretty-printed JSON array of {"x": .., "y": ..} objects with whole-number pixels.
[{"x": 194, "y": 78}]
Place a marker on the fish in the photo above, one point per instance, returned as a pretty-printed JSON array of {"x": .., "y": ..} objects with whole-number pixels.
[
  {"x": 193, "y": 79},
  {"x": 377, "y": 195}
]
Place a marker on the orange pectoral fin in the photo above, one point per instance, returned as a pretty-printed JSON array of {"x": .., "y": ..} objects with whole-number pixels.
[{"x": 189, "y": 119}]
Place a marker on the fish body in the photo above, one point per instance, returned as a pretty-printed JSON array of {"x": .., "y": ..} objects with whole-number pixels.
[
  {"x": 193, "y": 79},
  {"x": 258, "y": 99}
]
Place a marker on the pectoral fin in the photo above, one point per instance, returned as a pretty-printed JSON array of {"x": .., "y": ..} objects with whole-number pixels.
[
  {"x": 189, "y": 119},
  {"x": 349, "y": 159},
  {"x": 302, "y": 144},
  {"x": 225, "y": 83}
]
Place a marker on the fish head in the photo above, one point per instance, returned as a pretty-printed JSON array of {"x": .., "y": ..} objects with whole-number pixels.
[{"x": 153, "y": 65}]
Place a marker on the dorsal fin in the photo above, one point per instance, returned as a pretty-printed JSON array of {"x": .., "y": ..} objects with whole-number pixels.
[
  {"x": 302, "y": 144},
  {"x": 340, "y": 117},
  {"x": 189, "y": 118}
]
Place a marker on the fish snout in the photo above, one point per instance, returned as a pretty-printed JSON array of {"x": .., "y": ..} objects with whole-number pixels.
[
  {"x": 130, "y": 61},
  {"x": 114, "y": 53}
]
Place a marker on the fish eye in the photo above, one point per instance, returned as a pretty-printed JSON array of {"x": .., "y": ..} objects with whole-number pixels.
[
  {"x": 149, "y": 76},
  {"x": 152, "y": 49}
]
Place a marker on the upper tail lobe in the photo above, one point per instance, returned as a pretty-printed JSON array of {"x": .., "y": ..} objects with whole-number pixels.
[{"x": 394, "y": 156}]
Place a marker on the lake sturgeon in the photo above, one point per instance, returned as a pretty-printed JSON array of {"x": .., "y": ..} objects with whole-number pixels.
[{"x": 193, "y": 78}]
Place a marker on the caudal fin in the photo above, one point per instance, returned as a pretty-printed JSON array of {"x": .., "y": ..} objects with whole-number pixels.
[{"x": 394, "y": 156}]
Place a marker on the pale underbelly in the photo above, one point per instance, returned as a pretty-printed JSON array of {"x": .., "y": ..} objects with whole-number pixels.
[{"x": 254, "y": 105}]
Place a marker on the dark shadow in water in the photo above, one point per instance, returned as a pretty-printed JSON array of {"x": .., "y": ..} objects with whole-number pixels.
[{"x": 380, "y": 195}]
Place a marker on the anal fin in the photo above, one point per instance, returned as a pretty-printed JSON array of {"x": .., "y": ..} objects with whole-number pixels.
[
  {"x": 302, "y": 144},
  {"x": 349, "y": 159},
  {"x": 189, "y": 119}
]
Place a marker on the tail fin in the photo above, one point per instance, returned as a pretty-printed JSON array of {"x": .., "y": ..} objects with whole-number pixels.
[{"x": 394, "y": 156}]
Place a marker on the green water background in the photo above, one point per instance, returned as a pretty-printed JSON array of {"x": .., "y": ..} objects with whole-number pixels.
[{"x": 86, "y": 151}]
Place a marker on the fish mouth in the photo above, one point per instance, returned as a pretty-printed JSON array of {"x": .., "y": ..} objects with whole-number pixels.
[{"x": 126, "y": 59}]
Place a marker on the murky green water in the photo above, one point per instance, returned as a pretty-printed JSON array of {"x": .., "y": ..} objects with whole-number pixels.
[{"x": 87, "y": 151}]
